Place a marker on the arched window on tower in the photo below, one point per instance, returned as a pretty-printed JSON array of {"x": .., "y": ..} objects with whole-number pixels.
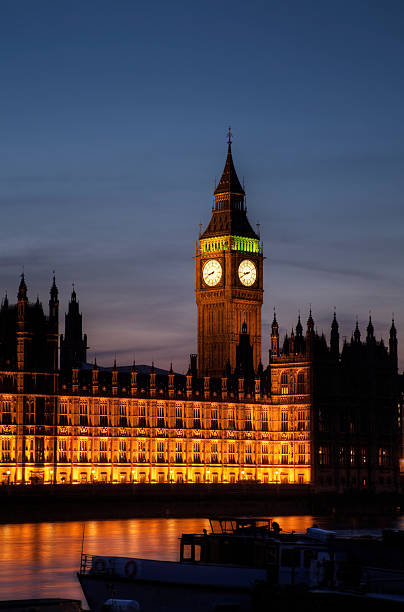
[
  {"x": 284, "y": 383},
  {"x": 300, "y": 383}
]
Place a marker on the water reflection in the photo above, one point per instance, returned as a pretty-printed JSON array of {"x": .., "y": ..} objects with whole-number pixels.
[{"x": 41, "y": 560}]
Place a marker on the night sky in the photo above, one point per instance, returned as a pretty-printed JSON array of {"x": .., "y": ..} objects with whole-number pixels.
[{"x": 113, "y": 121}]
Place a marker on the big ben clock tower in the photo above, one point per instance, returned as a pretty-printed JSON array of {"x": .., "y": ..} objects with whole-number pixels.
[{"x": 229, "y": 266}]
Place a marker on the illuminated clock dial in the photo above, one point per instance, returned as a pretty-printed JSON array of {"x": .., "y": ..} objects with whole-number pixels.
[
  {"x": 212, "y": 272},
  {"x": 247, "y": 272}
]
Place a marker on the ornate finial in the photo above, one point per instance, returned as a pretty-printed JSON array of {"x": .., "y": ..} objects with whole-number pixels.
[{"x": 229, "y": 135}]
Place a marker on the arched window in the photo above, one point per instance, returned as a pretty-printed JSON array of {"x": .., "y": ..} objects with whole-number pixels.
[
  {"x": 284, "y": 383},
  {"x": 300, "y": 383}
]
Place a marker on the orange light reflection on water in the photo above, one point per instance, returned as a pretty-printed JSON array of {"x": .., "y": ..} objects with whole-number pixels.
[{"x": 41, "y": 559}]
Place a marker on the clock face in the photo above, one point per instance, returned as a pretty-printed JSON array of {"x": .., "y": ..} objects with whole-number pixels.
[
  {"x": 212, "y": 272},
  {"x": 247, "y": 272}
]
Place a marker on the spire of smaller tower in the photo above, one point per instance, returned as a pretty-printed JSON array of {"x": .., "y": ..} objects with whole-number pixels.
[
  {"x": 5, "y": 301},
  {"x": 134, "y": 366},
  {"x": 393, "y": 344},
  {"x": 299, "y": 327},
  {"x": 152, "y": 369},
  {"x": 334, "y": 338},
  {"x": 370, "y": 330},
  {"x": 275, "y": 326},
  {"x": 22, "y": 289},
  {"x": 357, "y": 333},
  {"x": 95, "y": 367},
  {"x": 115, "y": 362},
  {"x": 171, "y": 371},
  {"x": 310, "y": 322},
  {"x": 54, "y": 290}
]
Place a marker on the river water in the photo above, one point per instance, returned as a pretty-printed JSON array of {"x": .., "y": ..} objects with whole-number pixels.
[{"x": 41, "y": 559}]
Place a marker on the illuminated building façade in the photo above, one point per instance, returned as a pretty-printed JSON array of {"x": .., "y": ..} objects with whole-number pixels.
[{"x": 317, "y": 414}]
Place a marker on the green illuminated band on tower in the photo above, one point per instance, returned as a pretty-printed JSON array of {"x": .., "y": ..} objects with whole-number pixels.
[{"x": 237, "y": 243}]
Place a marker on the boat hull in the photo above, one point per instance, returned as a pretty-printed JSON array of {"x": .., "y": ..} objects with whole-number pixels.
[{"x": 166, "y": 586}]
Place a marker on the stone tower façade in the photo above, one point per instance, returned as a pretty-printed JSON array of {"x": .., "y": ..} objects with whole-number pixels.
[{"x": 229, "y": 279}]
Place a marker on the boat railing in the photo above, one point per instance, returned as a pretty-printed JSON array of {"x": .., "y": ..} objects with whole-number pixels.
[{"x": 95, "y": 564}]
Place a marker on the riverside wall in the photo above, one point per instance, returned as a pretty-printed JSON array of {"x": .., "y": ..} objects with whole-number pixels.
[{"x": 86, "y": 502}]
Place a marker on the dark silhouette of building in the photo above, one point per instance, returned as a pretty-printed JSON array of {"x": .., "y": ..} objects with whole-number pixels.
[{"x": 73, "y": 345}]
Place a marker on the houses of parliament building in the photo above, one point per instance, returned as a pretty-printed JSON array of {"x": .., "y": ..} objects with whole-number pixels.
[{"x": 316, "y": 413}]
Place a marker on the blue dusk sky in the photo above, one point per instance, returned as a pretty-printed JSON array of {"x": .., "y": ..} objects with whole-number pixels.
[{"x": 113, "y": 120}]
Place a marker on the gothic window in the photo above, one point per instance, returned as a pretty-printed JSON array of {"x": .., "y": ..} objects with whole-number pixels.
[
  {"x": 341, "y": 455},
  {"x": 6, "y": 416},
  {"x": 62, "y": 450},
  {"x": 383, "y": 457},
  {"x": 248, "y": 421},
  {"x": 63, "y": 413},
  {"x": 178, "y": 452},
  {"x": 6, "y": 450},
  {"x": 214, "y": 419},
  {"x": 301, "y": 454},
  {"x": 30, "y": 412},
  {"x": 231, "y": 423},
  {"x": 213, "y": 453},
  {"x": 142, "y": 414},
  {"x": 284, "y": 421},
  {"x": 160, "y": 451},
  {"x": 141, "y": 448},
  {"x": 324, "y": 455},
  {"x": 265, "y": 420},
  {"x": 122, "y": 451},
  {"x": 161, "y": 421},
  {"x": 264, "y": 453},
  {"x": 232, "y": 456},
  {"x": 285, "y": 454},
  {"x": 300, "y": 420},
  {"x": 83, "y": 451},
  {"x": 197, "y": 417},
  {"x": 248, "y": 453},
  {"x": 30, "y": 450},
  {"x": 179, "y": 416},
  {"x": 83, "y": 413},
  {"x": 352, "y": 456},
  {"x": 123, "y": 419},
  {"x": 103, "y": 414},
  {"x": 39, "y": 450},
  {"x": 284, "y": 384},
  {"x": 197, "y": 452},
  {"x": 103, "y": 450},
  {"x": 364, "y": 456},
  {"x": 300, "y": 383}
]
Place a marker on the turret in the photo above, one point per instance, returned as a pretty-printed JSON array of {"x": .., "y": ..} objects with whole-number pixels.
[
  {"x": 171, "y": 382},
  {"x": 274, "y": 339},
  {"x": 133, "y": 379},
  {"x": 370, "y": 337},
  {"x": 393, "y": 344},
  {"x": 114, "y": 379},
  {"x": 309, "y": 335},
  {"x": 292, "y": 343},
  {"x": 73, "y": 345},
  {"x": 152, "y": 380},
  {"x": 357, "y": 334},
  {"x": 94, "y": 377},
  {"x": 22, "y": 333},
  {"x": 299, "y": 340},
  {"x": 52, "y": 336},
  {"x": 334, "y": 338}
]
